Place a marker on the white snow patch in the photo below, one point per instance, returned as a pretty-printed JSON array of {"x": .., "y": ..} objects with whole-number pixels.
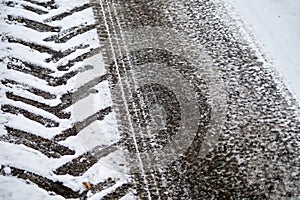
[
  {"x": 275, "y": 26},
  {"x": 15, "y": 189}
]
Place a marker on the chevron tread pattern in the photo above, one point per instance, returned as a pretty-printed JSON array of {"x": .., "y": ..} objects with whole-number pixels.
[{"x": 39, "y": 94}]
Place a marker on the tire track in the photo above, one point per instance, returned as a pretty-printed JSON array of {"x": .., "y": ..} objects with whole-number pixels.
[
  {"x": 78, "y": 126},
  {"x": 44, "y": 183},
  {"x": 59, "y": 97},
  {"x": 37, "y": 118},
  {"x": 138, "y": 104},
  {"x": 123, "y": 96},
  {"x": 26, "y": 7},
  {"x": 158, "y": 76},
  {"x": 34, "y": 25},
  {"x": 82, "y": 57},
  {"x": 85, "y": 161},
  {"x": 32, "y": 45},
  {"x": 119, "y": 192},
  {"x": 68, "y": 34},
  {"x": 38, "y": 92},
  {"x": 49, "y": 4},
  {"x": 45, "y": 146},
  {"x": 68, "y": 13},
  {"x": 44, "y": 73}
]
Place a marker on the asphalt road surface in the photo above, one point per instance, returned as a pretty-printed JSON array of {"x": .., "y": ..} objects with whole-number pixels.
[{"x": 183, "y": 108}]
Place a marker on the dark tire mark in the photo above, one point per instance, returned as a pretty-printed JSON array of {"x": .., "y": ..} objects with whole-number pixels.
[
  {"x": 35, "y": 10},
  {"x": 82, "y": 57},
  {"x": 44, "y": 183},
  {"x": 68, "y": 13},
  {"x": 38, "y": 47},
  {"x": 45, "y": 146},
  {"x": 84, "y": 90},
  {"x": 62, "y": 33},
  {"x": 49, "y": 4},
  {"x": 38, "y": 118},
  {"x": 66, "y": 35},
  {"x": 78, "y": 126},
  {"x": 35, "y": 70},
  {"x": 61, "y": 54},
  {"x": 43, "y": 73},
  {"x": 78, "y": 166},
  {"x": 55, "y": 110},
  {"x": 38, "y": 92},
  {"x": 103, "y": 185},
  {"x": 37, "y": 26},
  {"x": 119, "y": 192},
  {"x": 26, "y": 7}
]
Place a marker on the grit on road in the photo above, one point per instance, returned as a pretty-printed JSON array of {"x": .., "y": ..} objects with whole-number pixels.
[{"x": 112, "y": 99}]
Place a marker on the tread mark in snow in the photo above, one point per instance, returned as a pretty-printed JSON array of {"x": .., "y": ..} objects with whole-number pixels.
[
  {"x": 35, "y": 10},
  {"x": 78, "y": 166},
  {"x": 49, "y": 4},
  {"x": 37, "y": 26},
  {"x": 103, "y": 185},
  {"x": 78, "y": 126},
  {"x": 69, "y": 34},
  {"x": 10, "y": 83},
  {"x": 34, "y": 117},
  {"x": 45, "y": 70},
  {"x": 35, "y": 46},
  {"x": 118, "y": 192},
  {"x": 82, "y": 57},
  {"x": 43, "y": 73},
  {"x": 45, "y": 183},
  {"x": 68, "y": 13},
  {"x": 26, "y": 7},
  {"x": 61, "y": 54},
  {"x": 55, "y": 110},
  {"x": 45, "y": 146}
]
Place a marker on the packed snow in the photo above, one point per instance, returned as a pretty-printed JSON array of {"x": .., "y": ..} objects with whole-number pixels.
[{"x": 275, "y": 28}]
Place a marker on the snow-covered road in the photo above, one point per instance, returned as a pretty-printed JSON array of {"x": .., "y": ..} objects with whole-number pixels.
[
  {"x": 144, "y": 99},
  {"x": 275, "y": 28}
]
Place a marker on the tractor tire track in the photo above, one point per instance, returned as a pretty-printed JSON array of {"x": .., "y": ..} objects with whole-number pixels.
[
  {"x": 164, "y": 69},
  {"x": 56, "y": 96}
]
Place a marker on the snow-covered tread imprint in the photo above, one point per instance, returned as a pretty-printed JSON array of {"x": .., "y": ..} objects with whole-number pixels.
[
  {"x": 133, "y": 97},
  {"x": 46, "y": 46}
]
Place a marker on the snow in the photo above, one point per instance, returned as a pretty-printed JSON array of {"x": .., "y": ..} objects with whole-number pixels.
[
  {"x": 275, "y": 26},
  {"x": 9, "y": 185},
  {"x": 7, "y": 170},
  {"x": 129, "y": 196},
  {"x": 99, "y": 133}
]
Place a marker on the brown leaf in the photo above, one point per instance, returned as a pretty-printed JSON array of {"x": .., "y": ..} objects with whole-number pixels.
[{"x": 88, "y": 185}]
